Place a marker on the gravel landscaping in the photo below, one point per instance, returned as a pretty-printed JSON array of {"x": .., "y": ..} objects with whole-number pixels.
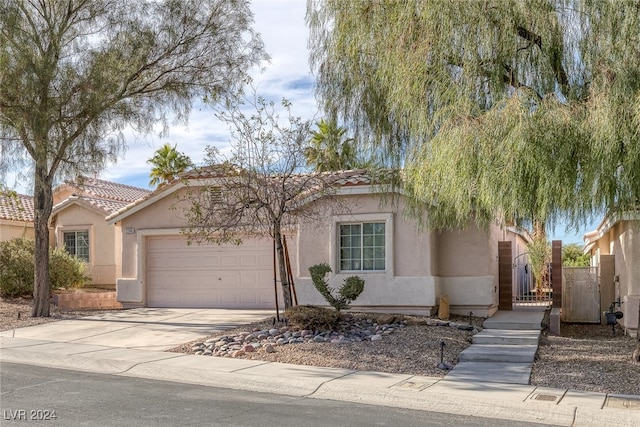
[{"x": 585, "y": 357}]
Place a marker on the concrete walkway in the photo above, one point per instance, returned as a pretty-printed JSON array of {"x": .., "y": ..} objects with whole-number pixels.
[
  {"x": 504, "y": 351},
  {"x": 482, "y": 396}
]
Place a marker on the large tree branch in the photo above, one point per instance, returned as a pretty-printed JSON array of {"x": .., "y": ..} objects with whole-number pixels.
[{"x": 554, "y": 60}]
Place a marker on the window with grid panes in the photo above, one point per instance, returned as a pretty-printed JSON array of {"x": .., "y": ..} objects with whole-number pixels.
[
  {"x": 76, "y": 243},
  {"x": 362, "y": 246}
]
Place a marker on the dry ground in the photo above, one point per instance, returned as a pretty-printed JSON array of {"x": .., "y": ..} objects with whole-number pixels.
[{"x": 585, "y": 357}]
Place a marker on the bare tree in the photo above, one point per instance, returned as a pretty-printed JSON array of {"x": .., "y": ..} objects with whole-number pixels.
[
  {"x": 75, "y": 73},
  {"x": 261, "y": 188}
]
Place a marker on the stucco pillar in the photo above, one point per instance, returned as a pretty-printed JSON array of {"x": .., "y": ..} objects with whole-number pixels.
[
  {"x": 607, "y": 285},
  {"x": 556, "y": 272}
]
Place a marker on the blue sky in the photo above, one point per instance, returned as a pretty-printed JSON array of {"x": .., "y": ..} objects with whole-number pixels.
[{"x": 282, "y": 26}]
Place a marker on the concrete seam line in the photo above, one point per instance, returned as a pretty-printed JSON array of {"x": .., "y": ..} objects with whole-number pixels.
[
  {"x": 146, "y": 362},
  {"x": 102, "y": 333},
  {"x": 328, "y": 381},
  {"x": 575, "y": 414},
  {"x": 29, "y": 345},
  {"x": 248, "y": 367}
]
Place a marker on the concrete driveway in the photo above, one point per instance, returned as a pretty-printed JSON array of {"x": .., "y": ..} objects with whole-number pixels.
[{"x": 156, "y": 329}]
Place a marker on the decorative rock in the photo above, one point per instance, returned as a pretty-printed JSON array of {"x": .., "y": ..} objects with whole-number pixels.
[{"x": 350, "y": 330}]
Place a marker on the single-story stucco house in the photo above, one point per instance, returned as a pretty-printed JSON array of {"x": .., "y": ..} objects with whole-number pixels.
[
  {"x": 78, "y": 223},
  {"x": 406, "y": 269},
  {"x": 619, "y": 235},
  {"x": 16, "y": 216}
]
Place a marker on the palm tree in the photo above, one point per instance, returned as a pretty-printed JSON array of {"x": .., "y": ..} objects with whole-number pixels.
[
  {"x": 329, "y": 150},
  {"x": 167, "y": 163}
]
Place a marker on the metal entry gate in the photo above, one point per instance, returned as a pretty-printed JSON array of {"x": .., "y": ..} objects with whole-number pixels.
[
  {"x": 581, "y": 295},
  {"x": 526, "y": 291}
]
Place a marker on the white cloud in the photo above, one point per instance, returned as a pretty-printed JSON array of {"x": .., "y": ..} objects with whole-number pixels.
[{"x": 283, "y": 30}]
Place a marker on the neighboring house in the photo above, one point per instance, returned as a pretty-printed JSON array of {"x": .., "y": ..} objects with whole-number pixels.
[
  {"x": 78, "y": 223},
  {"x": 16, "y": 216},
  {"x": 619, "y": 235},
  {"x": 406, "y": 270}
]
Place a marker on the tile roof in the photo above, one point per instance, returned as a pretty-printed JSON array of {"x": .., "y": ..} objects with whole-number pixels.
[
  {"x": 106, "y": 190},
  {"x": 16, "y": 208},
  {"x": 346, "y": 178}
]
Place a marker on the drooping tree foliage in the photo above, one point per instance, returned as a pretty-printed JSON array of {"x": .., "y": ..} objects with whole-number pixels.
[
  {"x": 75, "y": 73},
  {"x": 517, "y": 110}
]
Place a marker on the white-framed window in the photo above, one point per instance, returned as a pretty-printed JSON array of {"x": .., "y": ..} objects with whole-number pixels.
[
  {"x": 363, "y": 253},
  {"x": 362, "y": 246},
  {"x": 76, "y": 243}
]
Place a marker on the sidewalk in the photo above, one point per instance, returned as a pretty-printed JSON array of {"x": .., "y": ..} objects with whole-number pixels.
[{"x": 484, "y": 399}]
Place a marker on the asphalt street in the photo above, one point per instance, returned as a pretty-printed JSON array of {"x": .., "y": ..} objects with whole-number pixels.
[{"x": 33, "y": 395}]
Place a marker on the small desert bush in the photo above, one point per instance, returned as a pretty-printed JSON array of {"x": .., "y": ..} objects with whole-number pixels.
[
  {"x": 17, "y": 268},
  {"x": 349, "y": 291},
  {"x": 312, "y": 318}
]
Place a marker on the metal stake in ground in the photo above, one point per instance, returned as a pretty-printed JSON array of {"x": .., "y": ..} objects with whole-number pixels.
[{"x": 443, "y": 365}]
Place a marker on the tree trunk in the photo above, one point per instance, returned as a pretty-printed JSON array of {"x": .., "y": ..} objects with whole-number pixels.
[
  {"x": 282, "y": 268},
  {"x": 43, "y": 204}
]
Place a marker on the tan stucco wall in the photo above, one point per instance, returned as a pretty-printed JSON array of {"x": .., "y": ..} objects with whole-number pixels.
[
  {"x": 407, "y": 284},
  {"x": 166, "y": 213},
  {"x": 61, "y": 194},
  {"x": 104, "y": 258},
  {"x": 12, "y": 229},
  {"x": 467, "y": 268},
  {"x": 464, "y": 252},
  {"x": 421, "y": 265},
  {"x": 622, "y": 241}
]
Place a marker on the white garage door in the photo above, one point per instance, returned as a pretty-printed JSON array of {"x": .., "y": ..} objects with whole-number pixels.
[{"x": 212, "y": 276}]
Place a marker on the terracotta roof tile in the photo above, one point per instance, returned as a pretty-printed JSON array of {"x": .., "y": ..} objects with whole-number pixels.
[
  {"x": 107, "y": 196},
  {"x": 344, "y": 178},
  {"x": 16, "y": 208},
  {"x": 101, "y": 189}
]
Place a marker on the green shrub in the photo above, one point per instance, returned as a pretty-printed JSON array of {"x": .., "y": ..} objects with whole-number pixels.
[
  {"x": 17, "y": 268},
  {"x": 349, "y": 291},
  {"x": 66, "y": 271},
  {"x": 312, "y": 318}
]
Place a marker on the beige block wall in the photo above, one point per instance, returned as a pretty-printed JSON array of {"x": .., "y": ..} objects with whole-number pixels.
[{"x": 104, "y": 259}]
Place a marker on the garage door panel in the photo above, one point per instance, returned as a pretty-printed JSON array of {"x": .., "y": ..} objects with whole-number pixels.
[
  {"x": 210, "y": 260},
  {"x": 169, "y": 263},
  {"x": 226, "y": 276}
]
